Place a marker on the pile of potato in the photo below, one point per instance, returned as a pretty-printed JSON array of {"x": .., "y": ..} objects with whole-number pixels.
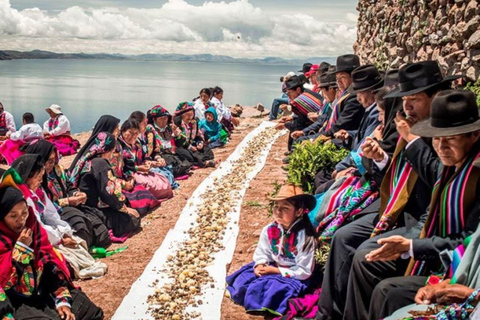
[{"x": 186, "y": 266}]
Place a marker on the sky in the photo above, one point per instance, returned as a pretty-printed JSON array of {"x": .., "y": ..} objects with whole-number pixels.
[{"x": 238, "y": 28}]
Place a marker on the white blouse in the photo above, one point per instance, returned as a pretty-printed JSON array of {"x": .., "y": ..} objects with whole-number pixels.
[
  {"x": 62, "y": 127},
  {"x": 28, "y": 132}
]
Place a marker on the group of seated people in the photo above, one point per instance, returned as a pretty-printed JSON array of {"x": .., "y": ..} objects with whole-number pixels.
[
  {"x": 398, "y": 217},
  {"x": 51, "y": 217}
]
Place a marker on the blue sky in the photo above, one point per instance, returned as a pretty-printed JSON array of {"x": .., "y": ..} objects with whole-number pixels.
[{"x": 239, "y": 28}]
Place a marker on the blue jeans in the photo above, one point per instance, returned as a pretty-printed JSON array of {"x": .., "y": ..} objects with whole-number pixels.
[{"x": 276, "y": 105}]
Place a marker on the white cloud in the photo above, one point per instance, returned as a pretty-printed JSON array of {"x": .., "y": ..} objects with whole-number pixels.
[{"x": 236, "y": 28}]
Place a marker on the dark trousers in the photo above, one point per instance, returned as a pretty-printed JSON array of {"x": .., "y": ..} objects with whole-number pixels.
[
  {"x": 364, "y": 276},
  {"x": 342, "y": 249},
  {"x": 394, "y": 293},
  {"x": 276, "y": 106},
  {"x": 42, "y": 308}
]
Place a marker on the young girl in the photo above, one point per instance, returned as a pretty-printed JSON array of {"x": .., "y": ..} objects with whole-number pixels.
[
  {"x": 284, "y": 259},
  {"x": 212, "y": 129},
  {"x": 202, "y": 103}
]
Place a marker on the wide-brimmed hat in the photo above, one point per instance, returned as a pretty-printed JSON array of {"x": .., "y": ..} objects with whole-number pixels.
[
  {"x": 417, "y": 77},
  {"x": 452, "y": 112},
  {"x": 294, "y": 82},
  {"x": 306, "y": 67},
  {"x": 291, "y": 191},
  {"x": 347, "y": 63},
  {"x": 323, "y": 67},
  {"x": 55, "y": 108},
  {"x": 390, "y": 79},
  {"x": 365, "y": 78},
  {"x": 313, "y": 69},
  {"x": 327, "y": 80}
]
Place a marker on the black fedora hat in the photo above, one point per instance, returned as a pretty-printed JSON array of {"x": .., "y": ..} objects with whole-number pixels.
[
  {"x": 294, "y": 82},
  {"x": 452, "y": 112},
  {"x": 327, "y": 80},
  {"x": 323, "y": 67},
  {"x": 390, "y": 79},
  {"x": 365, "y": 78},
  {"x": 417, "y": 77},
  {"x": 347, "y": 63},
  {"x": 306, "y": 67}
]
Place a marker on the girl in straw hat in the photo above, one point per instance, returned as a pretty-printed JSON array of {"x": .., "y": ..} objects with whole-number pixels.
[{"x": 284, "y": 259}]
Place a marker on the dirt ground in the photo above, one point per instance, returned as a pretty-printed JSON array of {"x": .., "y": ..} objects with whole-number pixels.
[{"x": 125, "y": 267}]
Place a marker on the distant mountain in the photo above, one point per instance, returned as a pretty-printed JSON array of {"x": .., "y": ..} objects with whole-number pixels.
[{"x": 39, "y": 54}]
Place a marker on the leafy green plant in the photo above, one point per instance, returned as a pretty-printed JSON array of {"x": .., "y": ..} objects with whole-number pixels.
[
  {"x": 271, "y": 203},
  {"x": 475, "y": 88},
  {"x": 310, "y": 158}
]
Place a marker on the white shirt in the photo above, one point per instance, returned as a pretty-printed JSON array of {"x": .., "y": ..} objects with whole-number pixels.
[
  {"x": 56, "y": 228},
  {"x": 199, "y": 109},
  {"x": 28, "y": 132},
  {"x": 10, "y": 122},
  {"x": 222, "y": 110},
  {"x": 300, "y": 267},
  {"x": 62, "y": 127}
]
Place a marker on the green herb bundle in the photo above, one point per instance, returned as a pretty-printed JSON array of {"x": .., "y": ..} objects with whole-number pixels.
[{"x": 309, "y": 158}]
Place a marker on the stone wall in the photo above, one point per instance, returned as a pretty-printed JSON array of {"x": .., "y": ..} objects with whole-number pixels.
[{"x": 393, "y": 32}]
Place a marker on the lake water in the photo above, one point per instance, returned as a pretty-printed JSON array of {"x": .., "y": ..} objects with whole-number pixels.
[{"x": 87, "y": 89}]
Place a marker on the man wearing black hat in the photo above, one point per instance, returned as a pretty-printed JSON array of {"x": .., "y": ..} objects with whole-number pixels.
[
  {"x": 397, "y": 208},
  {"x": 348, "y": 113},
  {"x": 303, "y": 102},
  {"x": 454, "y": 213},
  {"x": 405, "y": 192},
  {"x": 328, "y": 88}
]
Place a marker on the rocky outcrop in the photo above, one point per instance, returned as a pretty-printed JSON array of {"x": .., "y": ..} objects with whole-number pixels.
[{"x": 393, "y": 32}]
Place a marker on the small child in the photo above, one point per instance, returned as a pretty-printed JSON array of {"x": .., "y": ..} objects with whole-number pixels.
[
  {"x": 284, "y": 259},
  {"x": 212, "y": 129}
]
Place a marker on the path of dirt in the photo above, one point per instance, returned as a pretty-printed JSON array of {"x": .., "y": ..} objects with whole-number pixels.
[{"x": 127, "y": 266}]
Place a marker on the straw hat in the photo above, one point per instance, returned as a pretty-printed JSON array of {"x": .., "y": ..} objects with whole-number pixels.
[{"x": 291, "y": 191}]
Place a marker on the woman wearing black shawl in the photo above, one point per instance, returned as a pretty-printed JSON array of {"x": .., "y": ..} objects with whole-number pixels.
[{"x": 85, "y": 220}]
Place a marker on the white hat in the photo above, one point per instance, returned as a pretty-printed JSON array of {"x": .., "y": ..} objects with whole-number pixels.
[
  {"x": 288, "y": 75},
  {"x": 55, "y": 108}
]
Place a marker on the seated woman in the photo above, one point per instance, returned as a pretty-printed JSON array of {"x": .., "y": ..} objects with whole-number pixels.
[
  {"x": 94, "y": 175},
  {"x": 7, "y": 123},
  {"x": 34, "y": 279},
  {"x": 156, "y": 183},
  {"x": 31, "y": 169},
  {"x": 189, "y": 140},
  {"x": 10, "y": 149},
  {"x": 70, "y": 202},
  {"x": 57, "y": 130},
  {"x": 224, "y": 114},
  {"x": 160, "y": 143},
  {"x": 202, "y": 103},
  {"x": 284, "y": 259},
  {"x": 137, "y": 196},
  {"x": 213, "y": 132}
]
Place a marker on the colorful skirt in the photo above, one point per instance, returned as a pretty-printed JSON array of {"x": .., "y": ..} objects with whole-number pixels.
[
  {"x": 65, "y": 144},
  {"x": 10, "y": 150},
  {"x": 266, "y": 293}
]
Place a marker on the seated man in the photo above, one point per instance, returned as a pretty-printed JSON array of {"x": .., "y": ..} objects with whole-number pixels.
[
  {"x": 277, "y": 102},
  {"x": 57, "y": 131},
  {"x": 452, "y": 216},
  {"x": 302, "y": 102}
]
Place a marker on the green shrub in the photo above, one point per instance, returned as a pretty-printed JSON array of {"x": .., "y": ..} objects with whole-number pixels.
[
  {"x": 475, "y": 88},
  {"x": 310, "y": 158}
]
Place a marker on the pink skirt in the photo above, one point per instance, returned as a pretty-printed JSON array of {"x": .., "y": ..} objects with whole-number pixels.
[
  {"x": 65, "y": 144},
  {"x": 10, "y": 150}
]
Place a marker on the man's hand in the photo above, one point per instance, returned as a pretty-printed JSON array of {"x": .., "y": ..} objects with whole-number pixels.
[
  {"x": 313, "y": 116},
  {"x": 403, "y": 127},
  {"x": 297, "y": 134},
  {"x": 391, "y": 249},
  {"x": 371, "y": 149},
  {"x": 342, "y": 173},
  {"x": 455, "y": 293},
  {"x": 342, "y": 134},
  {"x": 25, "y": 237},
  {"x": 280, "y": 126},
  {"x": 426, "y": 295}
]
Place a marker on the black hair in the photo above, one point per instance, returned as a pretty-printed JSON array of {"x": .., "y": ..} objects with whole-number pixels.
[
  {"x": 217, "y": 90},
  {"x": 304, "y": 224},
  {"x": 28, "y": 118},
  {"x": 130, "y": 124},
  {"x": 138, "y": 115},
  {"x": 206, "y": 91},
  {"x": 37, "y": 166}
]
